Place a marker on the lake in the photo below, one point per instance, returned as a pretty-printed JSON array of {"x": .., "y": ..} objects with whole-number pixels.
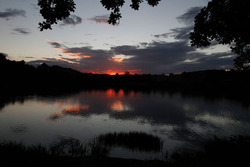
[{"x": 141, "y": 124}]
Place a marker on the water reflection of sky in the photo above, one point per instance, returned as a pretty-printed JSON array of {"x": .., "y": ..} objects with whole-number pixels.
[{"x": 89, "y": 113}]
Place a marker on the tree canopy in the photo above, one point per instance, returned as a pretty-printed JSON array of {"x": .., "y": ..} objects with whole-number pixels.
[
  {"x": 54, "y": 10},
  {"x": 227, "y": 22}
]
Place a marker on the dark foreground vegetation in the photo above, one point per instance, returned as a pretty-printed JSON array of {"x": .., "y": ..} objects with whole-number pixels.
[
  {"x": 233, "y": 151},
  {"x": 135, "y": 141}
]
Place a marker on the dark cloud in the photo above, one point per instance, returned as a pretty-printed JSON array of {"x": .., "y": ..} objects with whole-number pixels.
[
  {"x": 165, "y": 35},
  {"x": 188, "y": 17},
  {"x": 182, "y": 33},
  {"x": 144, "y": 44},
  {"x": 94, "y": 60},
  {"x": 55, "y": 44},
  {"x": 72, "y": 20},
  {"x": 200, "y": 61},
  {"x": 124, "y": 49},
  {"x": 12, "y": 13},
  {"x": 100, "y": 19},
  {"x": 157, "y": 57},
  {"x": 29, "y": 57},
  {"x": 22, "y": 31},
  {"x": 52, "y": 62}
]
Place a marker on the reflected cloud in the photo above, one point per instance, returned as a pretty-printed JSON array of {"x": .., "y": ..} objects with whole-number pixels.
[
  {"x": 55, "y": 116},
  {"x": 22, "y": 128},
  {"x": 75, "y": 111},
  {"x": 216, "y": 120}
]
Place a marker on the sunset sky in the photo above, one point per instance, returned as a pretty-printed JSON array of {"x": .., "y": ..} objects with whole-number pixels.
[{"x": 152, "y": 40}]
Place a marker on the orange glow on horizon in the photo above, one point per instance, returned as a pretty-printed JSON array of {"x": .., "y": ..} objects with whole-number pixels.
[
  {"x": 108, "y": 72},
  {"x": 117, "y": 59},
  {"x": 114, "y": 72}
]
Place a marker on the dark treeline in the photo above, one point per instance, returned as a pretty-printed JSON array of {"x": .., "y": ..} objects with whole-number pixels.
[{"x": 17, "y": 75}]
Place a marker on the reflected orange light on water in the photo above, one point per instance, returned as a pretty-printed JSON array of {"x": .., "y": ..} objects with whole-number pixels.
[
  {"x": 75, "y": 109},
  {"x": 117, "y": 106},
  {"x": 113, "y": 93}
]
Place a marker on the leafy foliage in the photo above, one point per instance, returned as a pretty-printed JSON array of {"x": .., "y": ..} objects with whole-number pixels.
[
  {"x": 225, "y": 21},
  {"x": 242, "y": 61},
  {"x": 54, "y": 10},
  {"x": 113, "y": 5}
]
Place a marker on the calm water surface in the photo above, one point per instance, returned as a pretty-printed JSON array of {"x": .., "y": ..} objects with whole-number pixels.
[{"x": 178, "y": 121}]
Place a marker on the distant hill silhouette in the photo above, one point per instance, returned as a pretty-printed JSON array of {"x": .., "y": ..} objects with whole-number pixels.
[{"x": 19, "y": 75}]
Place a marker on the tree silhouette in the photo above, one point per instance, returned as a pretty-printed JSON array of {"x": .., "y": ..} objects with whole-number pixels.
[
  {"x": 242, "y": 61},
  {"x": 56, "y": 10},
  {"x": 227, "y": 22}
]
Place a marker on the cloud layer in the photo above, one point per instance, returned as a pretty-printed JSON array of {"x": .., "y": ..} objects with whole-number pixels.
[
  {"x": 72, "y": 20},
  {"x": 188, "y": 17},
  {"x": 22, "y": 31},
  {"x": 155, "y": 57},
  {"x": 8, "y": 13},
  {"x": 100, "y": 19}
]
